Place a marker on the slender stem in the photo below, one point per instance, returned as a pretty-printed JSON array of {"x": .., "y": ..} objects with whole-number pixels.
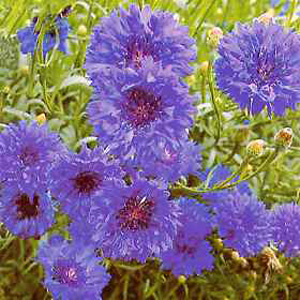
[
  {"x": 140, "y": 3},
  {"x": 222, "y": 186},
  {"x": 235, "y": 174},
  {"x": 203, "y": 88},
  {"x": 204, "y": 17},
  {"x": 272, "y": 156},
  {"x": 213, "y": 99},
  {"x": 293, "y": 7},
  {"x": 225, "y": 13}
]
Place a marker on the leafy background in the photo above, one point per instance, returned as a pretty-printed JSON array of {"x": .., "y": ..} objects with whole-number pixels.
[{"x": 60, "y": 90}]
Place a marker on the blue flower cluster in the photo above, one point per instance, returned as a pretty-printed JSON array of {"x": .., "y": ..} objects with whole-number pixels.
[{"x": 117, "y": 195}]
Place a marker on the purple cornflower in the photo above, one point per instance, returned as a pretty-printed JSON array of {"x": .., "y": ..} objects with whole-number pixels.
[
  {"x": 135, "y": 109},
  {"x": 258, "y": 67},
  {"x": 134, "y": 222},
  {"x": 26, "y": 215},
  {"x": 72, "y": 270},
  {"x": 285, "y": 225},
  {"x": 79, "y": 177},
  {"x": 190, "y": 252},
  {"x": 125, "y": 40},
  {"x": 243, "y": 222},
  {"x": 58, "y": 33},
  {"x": 168, "y": 160},
  {"x": 27, "y": 152}
]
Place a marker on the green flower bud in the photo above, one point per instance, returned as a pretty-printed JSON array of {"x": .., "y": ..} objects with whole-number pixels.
[
  {"x": 214, "y": 36},
  {"x": 82, "y": 30},
  {"x": 182, "y": 279},
  {"x": 256, "y": 148}
]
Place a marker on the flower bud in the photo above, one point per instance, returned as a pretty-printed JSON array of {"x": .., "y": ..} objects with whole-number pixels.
[
  {"x": 243, "y": 262},
  {"x": 266, "y": 18},
  {"x": 284, "y": 137},
  {"x": 191, "y": 80},
  {"x": 235, "y": 256},
  {"x": 82, "y": 30},
  {"x": 41, "y": 119},
  {"x": 6, "y": 89},
  {"x": 203, "y": 68},
  {"x": 256, "y": 148},
  {"x": 217, "y": 244},
  {"x": 182, "y": 279},
  {"x": 214, "y": 36},
  {"x": 24, "y": 70},
  {"x": 253, "y": 275},
  {"x": 289, "y": 279},
  {"x": 268, "y": 259}
]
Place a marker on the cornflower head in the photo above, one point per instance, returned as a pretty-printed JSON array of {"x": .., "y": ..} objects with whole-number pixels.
[
  {"x": 132, "y": 109},
  {"x": 72, "y": 270},
  {"x": 285, "y": 220},
  {"x": 134, "y": 222},
  {"x": 258, "y": 67},
  {"x": 124, "y": 40},
  {"x": 26, "y": 215},
  {"x": 190, "y": 253},
  {"x": 77, "y": 178},
  {"x": 243, "y": 222},
  {"x": 28, "y": 151}
]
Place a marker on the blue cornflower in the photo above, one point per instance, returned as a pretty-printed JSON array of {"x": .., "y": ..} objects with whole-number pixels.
[
  {"x": 285, "y": 225},
  {"x": 26, "y": 215},
  {"x": 258, "y": 67},
  {"x": 134, "y": 222},
  {"x": 72, "y": 270},
  {"x": 125, "y": 40},
  {"x": 28, "y": 36},
  {"x": 27, "y": 153},
  {"x": 135, "y": 109},
  {"x": 79, "y": 177},
  {"x": 243, "y": 222},
  {"x": 168, "y": 160},
  {"x": 190, "y": 252}
]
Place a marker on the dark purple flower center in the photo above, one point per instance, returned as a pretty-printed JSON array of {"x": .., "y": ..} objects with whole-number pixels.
[
  {"x": 87, "y": 182},
  {"x": 142, "y": 107},
  {"x": 187, "y": 249},
  {"x": 26, "y": 209},
  {"x": 265, "y": 64},
  {"x": 68, "y": 273},
  {"x": 139, "y": 48},
  {"x": 29, "y": 156},
  {"x": 136, "y": 213},
  {"x": 230, "y": 234}
]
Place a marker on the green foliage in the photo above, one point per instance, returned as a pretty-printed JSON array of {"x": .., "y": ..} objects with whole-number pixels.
[{"x": 59, "y": 88}]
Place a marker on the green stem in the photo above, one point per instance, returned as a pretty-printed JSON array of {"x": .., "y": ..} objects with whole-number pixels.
[
  {"x": 203, "y": 88},
  {"x": 140, "y": 3},
  {"x": 222, "y": 186},
  {"x": 213, "y": 99},
  {"x": 293, "y": 7},
  {"x": 225, "y": 13},
  {"x": 235, "y": 174},
  {"x": 272, "y": 156},
  {"x": 204, "y": 17},
  {"x": 32, "y": 75}
]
